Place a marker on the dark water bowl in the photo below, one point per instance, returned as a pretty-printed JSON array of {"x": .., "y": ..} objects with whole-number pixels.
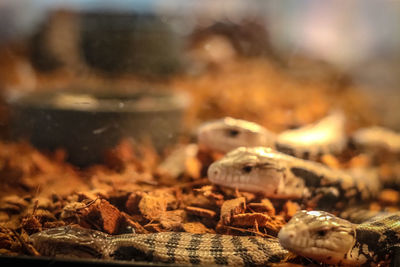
[{"x": 87, "y": 124}]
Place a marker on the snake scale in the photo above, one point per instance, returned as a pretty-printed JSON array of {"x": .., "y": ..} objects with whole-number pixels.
[{"x": 315, "y": 234}]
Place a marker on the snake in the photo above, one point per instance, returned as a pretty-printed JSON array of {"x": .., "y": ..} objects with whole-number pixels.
[
  {"x": 280, "y": 176},
  {"x": 166, "y": 247},
  {"x": 310, "y": 141},
  {"x": 317, "y": 235},
  {"x": 325, "y": 136}
]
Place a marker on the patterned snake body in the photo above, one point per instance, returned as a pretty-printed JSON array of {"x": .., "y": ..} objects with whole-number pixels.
[{"x": 167, "y": 247}]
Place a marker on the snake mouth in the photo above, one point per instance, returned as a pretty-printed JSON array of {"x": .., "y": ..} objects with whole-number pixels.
[
  {"x": 235, "y": 183},
  {"x": 247, "y": 185},
  {"x": 324, "y": 255},
  {"x": 296, "y": 244}
]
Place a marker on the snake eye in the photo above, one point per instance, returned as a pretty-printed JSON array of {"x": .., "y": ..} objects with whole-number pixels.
[
  {"x": 247, "y": 168},
  {"x": 322, "y": 233},
  {"x": 233, "y": 132}
]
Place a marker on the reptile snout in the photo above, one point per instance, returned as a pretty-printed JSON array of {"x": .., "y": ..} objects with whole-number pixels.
[
  {"x": 286, "y": 237},
  {"x": 214, "y": 171},
  {"x": 294, "y": 235}
]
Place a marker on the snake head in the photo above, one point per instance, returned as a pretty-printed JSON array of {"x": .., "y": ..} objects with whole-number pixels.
[
  {"x": 257, "y": 169},
  {"x": 70, "y": 242},
  {"x": 228, "y": 133},
  {"x": 318, "y": 235}
]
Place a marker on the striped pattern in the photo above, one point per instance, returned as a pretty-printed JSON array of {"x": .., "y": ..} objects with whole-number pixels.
[
  {"x": 205, "y": 249},
  {"x": 193, "y": 247},
  {"x": 217, "y": 249},
  {"x": 167, "y": 247}
]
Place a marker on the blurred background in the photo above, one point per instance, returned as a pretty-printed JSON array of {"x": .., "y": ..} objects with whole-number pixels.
[{"x": 280, "y": 63}]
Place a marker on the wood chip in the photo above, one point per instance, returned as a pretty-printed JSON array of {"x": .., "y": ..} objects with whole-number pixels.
[
  {"x": 72, "y": 210},
  {"x": 13, "y": 204},
  {"x": 128, "y": 221},
  {"x": 196, "y": 228},
  {"x": 44, "y": 215},
  {"x": 232, "y": 207},
  {"x": 48, "y": 225},
  {"x": 31, "y": 224},
  {"x": 375, "y": 207},
  {"x": 264, "y": 207},
  {"x": 4, "y": 216},
  {"x": 197, "y": 200},
  {"x": 132, "y": 204},
  {"x": 172, "y": 220},
  {"x": 389, "y": 197},
  {"x": 201, "y": 212},
  {"x": 87, "y": 196},
  {"x": 249, "y": 219},
  {"x": 153, "y": 227},
  {"x": 103, "y": 216},
  {"x": 43, "y": 203},
  {"x": 262, "y": 220},
  {"x": 6, "y": 240},
  {"x": 152, "y": 207},
  {"x": 247, "y": 195},
  {"x": 290, "y": 208},
  {"x": 208, "y": 191}
]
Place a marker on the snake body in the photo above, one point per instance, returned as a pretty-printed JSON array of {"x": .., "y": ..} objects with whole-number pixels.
[
  {"x": 324, "y": 136},
  {"x": 167, "y": 247}
]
